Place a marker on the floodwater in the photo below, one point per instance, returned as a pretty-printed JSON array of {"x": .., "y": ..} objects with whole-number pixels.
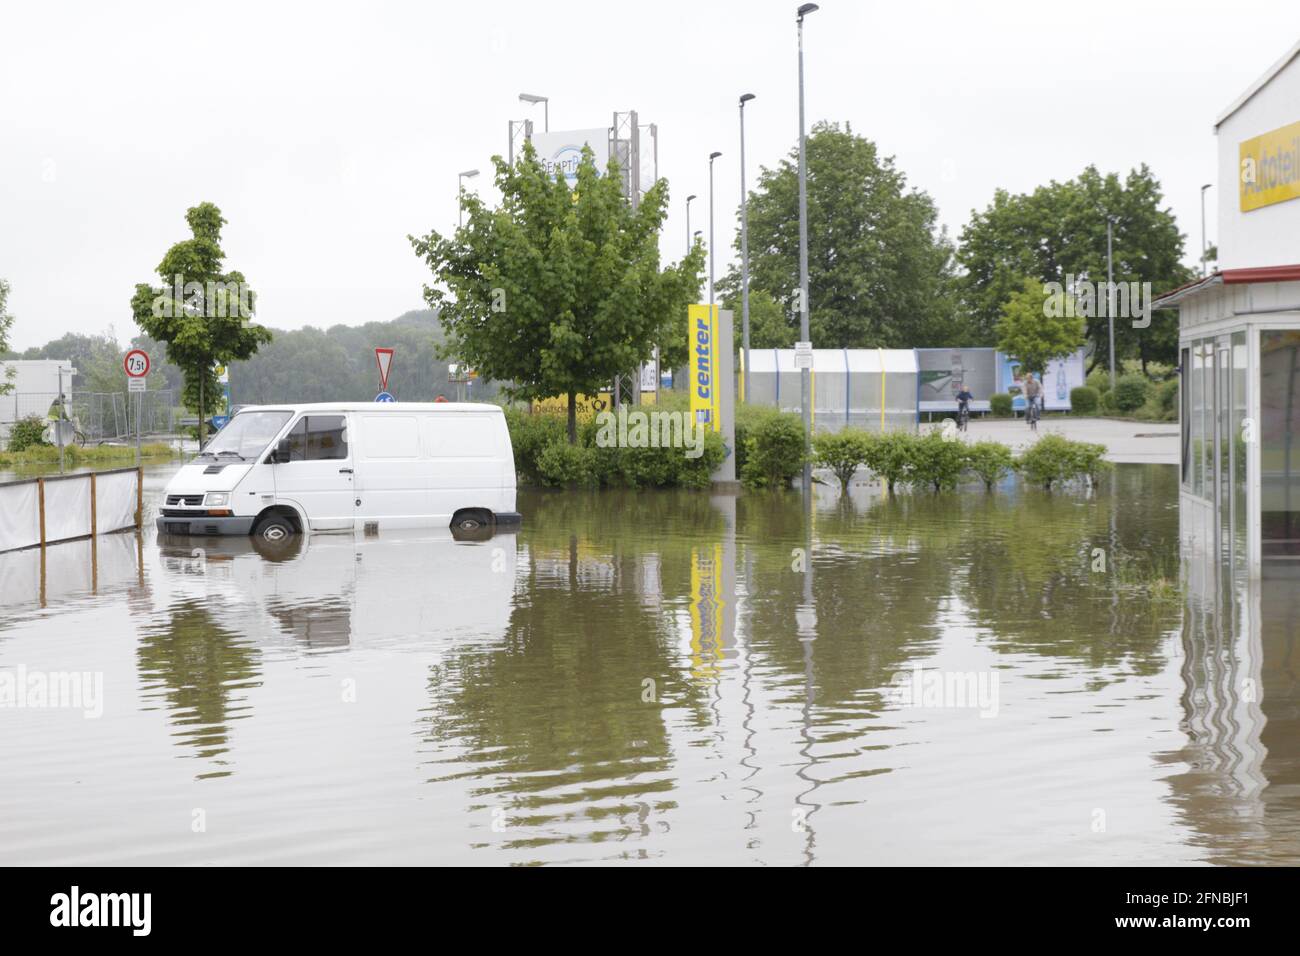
[{"x": 660, "y": 677}]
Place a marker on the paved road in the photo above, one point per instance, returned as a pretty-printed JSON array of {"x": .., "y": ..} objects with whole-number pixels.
[{"x": 1135, "y": 442}]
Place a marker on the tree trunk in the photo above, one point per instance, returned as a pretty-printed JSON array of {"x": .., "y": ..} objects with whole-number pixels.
[{"x": 573, "y": 418}]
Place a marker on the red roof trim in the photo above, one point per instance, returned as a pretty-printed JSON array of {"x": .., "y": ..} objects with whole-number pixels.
[{"x": 1262, "y": 274}]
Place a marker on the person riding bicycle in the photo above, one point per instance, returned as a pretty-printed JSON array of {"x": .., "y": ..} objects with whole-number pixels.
[
  {"x": 964, "y": 398},
  {"x": 1033, "y": 393}
]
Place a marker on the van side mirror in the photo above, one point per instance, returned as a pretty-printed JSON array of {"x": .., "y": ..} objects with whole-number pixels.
[{"x": 282, "y": 452}]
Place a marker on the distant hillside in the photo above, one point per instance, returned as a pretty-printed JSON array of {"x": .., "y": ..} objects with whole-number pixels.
[{"x": 301, "y": 365}]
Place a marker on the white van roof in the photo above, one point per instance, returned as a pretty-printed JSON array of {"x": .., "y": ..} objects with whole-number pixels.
[{"x": 442, "y": 408}]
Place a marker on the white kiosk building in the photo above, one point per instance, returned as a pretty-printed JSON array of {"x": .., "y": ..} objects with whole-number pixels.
[{"x": 1239, "y": 342}]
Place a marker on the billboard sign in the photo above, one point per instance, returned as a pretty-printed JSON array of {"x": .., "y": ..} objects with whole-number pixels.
[
  {"x": 702, "y": 366},
  {"x": 1061, "y": 376},
  {"x": 1269, "y": 168},
  {"x": 560, "y": 153},
  {"x": 943, "y": 372}
]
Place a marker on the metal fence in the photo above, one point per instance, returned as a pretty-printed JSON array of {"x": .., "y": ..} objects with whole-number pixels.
[{"x": 97, "y": 416}]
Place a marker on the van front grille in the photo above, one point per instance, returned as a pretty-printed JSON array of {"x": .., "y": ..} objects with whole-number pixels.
[{"x": 191, "y": 501}]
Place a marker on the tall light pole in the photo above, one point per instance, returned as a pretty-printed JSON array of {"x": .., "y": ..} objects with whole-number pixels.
[
  {"x": 688, "y": 221},
  {"x": 1205, "y": 249},
  {"x": 1110, "y": 293},
  {"x": 460, "y": 188},
  {"x": 805, "y": 374},
  {"x": 546, "y": 108},
  {"x": 712, "y": 157},
  {"x": 744, "y": 252}
]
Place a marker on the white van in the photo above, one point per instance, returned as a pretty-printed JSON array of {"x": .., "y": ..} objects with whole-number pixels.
[{"x": 277, "y": 470}]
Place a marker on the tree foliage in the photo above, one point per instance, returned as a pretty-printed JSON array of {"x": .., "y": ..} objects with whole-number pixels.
[
  {"x": 557, "y": 290},
  {"x": 1034, "y": 334},
  {"x": 6, "y": 323},
  {"x": 879, "y": 271},
  {"x": 1059, "y": 230},
  {"x": 209, "y": 322}
]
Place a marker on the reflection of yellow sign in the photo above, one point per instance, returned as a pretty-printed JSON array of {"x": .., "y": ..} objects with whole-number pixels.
[
  {"x": 1269, "y": 168},
  {"x": 708, "y": 609},
  {"x": 702, "y": 366}
]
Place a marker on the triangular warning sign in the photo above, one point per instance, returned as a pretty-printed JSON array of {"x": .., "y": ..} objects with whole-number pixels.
[{"x": 384, "y": 358}]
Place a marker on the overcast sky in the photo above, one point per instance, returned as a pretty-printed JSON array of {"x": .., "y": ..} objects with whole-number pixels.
[{"x": 328, "y": 133}]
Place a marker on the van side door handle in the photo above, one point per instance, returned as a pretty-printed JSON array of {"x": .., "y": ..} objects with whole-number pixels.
[{"x": 345, "y": 471}]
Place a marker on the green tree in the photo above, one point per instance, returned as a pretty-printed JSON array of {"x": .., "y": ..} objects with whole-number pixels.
[
  {"x": 769, "y": 327},
  {"x": 6, "y": 323},
  {"x": 557, "y": 290},
  {"x": 1060, "y": 230},
  {"x": 201, "y": 313},
  {"x": 879, "y": 270},
  {"x": 1035, "y": 330}
]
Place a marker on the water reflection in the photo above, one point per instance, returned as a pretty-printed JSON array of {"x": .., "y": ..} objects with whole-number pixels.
[{"x": 679, "y": 678}]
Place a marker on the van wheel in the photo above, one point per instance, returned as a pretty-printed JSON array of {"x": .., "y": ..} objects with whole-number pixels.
[
  {"x": 474, "y": 520},
  {"x": 274, "y": 528}
]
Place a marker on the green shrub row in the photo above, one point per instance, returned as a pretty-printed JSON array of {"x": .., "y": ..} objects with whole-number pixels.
[
  {"x": 938, "y": 463},
  {"x": 543, "y": 456}
]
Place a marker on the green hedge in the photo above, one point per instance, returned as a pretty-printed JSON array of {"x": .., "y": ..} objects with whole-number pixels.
[
  {"x": 1000, "y": 405},
  {"x": 1131, "y": 392},
  {"x": 1053, "y": 460},
  {"x": 774, "y": 451},
  {"x": 1084, "y": 400},
  {"x": 26, "y": 433}
]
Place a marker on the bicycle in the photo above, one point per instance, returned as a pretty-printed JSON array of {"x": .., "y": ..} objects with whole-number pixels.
[
  {"x": 1031, "y": 414},
  {"x": 963, "y": 416}
]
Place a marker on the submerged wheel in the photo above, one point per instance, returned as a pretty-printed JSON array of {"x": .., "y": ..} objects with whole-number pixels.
[
  {"x": 471, "y": 519},
  {"x": 274, "y": 528}
]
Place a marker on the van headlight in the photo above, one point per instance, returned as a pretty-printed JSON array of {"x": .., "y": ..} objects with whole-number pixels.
[{"x": 217, "y": 499}]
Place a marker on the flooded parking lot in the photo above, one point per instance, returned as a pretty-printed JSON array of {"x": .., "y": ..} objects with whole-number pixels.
[{"x": 659, "y": 677}]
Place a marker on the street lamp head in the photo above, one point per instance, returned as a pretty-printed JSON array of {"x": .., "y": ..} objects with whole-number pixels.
[
  {"x": 698, "y": 233},
  {"x": 692, "y": 196},
  {"x": 532, "y": 98},
  {"x": 713, "y": 156},
  {"x": 807, "y": 8},
  {"x": 1206, "y": 186},
  {"x": 469, "y": 174},
  {"x": 745, "y": 98}
]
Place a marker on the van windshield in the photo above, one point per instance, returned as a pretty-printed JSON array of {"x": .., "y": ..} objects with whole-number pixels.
[{"x": 246, "y": 435}]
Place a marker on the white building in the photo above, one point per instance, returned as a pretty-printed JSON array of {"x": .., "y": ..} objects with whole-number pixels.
[
  {"x": 35, "y": 387},
  {"x": 1239, "y": 343}
]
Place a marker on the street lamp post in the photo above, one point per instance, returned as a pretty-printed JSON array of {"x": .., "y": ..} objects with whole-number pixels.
[
  {"x": 688, "y": 221},
  {"x": 460, "y": 183},
  {"x": 805, "y": 374},
  {"x": 1205, "y": 249},
  {"x": 744, "y": 253},
  {"x": 546, "y": 108},
  {"x": 712, "y": 157},
  {"x": 1110, "y": 293}
]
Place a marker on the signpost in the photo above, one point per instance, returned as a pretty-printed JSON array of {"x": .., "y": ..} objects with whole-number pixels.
[
  {"x": 384, "y": 359},
  {"x": 137, "y": 366}
]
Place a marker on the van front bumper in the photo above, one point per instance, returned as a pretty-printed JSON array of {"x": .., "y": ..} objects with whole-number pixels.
[{"x": 204, "y": 525}]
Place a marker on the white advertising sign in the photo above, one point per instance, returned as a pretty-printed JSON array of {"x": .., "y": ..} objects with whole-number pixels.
[{"x": 561, "y": 152}]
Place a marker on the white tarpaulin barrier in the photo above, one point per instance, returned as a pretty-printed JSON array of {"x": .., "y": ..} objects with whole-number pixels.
[{"x": 63, "y": 509}]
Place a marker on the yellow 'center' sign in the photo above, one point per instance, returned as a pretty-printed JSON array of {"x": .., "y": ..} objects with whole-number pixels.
[
  {"x": 1269, "y": 168},
  {"x": 702, "y": 366}
]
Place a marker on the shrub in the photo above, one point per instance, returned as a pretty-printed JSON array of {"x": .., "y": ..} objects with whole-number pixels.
[
  {"x": 562, "y": 465},
  {"x": 774, "y": 451},
  {"x": 26, "y": 433},
  {"x": 1000, "y": 405},
  {"x": 530, "y": 433},
  {"x": 1084, "y": 400},
  {"x": 1099, "y": 379},
  {"x": 889, "y": 456},
  {"x": 1052, "y": 460},
  {"x": 842, "y": 452},
  {"x": 1165, "y": 397},
  {"x": 990, "y": 461},
  {"x": 1131, "y": 392},
  {"x": 937, "y": 461}
]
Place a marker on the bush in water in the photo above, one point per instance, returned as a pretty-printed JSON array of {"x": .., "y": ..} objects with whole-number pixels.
[
  {"x": 842, "y": 452},
  {"x": 990, "y": 461}
]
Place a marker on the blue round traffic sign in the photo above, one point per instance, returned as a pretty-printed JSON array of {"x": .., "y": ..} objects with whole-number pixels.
[{"x": 385, "y": 397}]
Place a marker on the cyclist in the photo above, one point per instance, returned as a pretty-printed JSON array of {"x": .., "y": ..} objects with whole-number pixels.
[
  {"x": 1033, "y": 397},
  {"x": 964, "y": 398}
]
